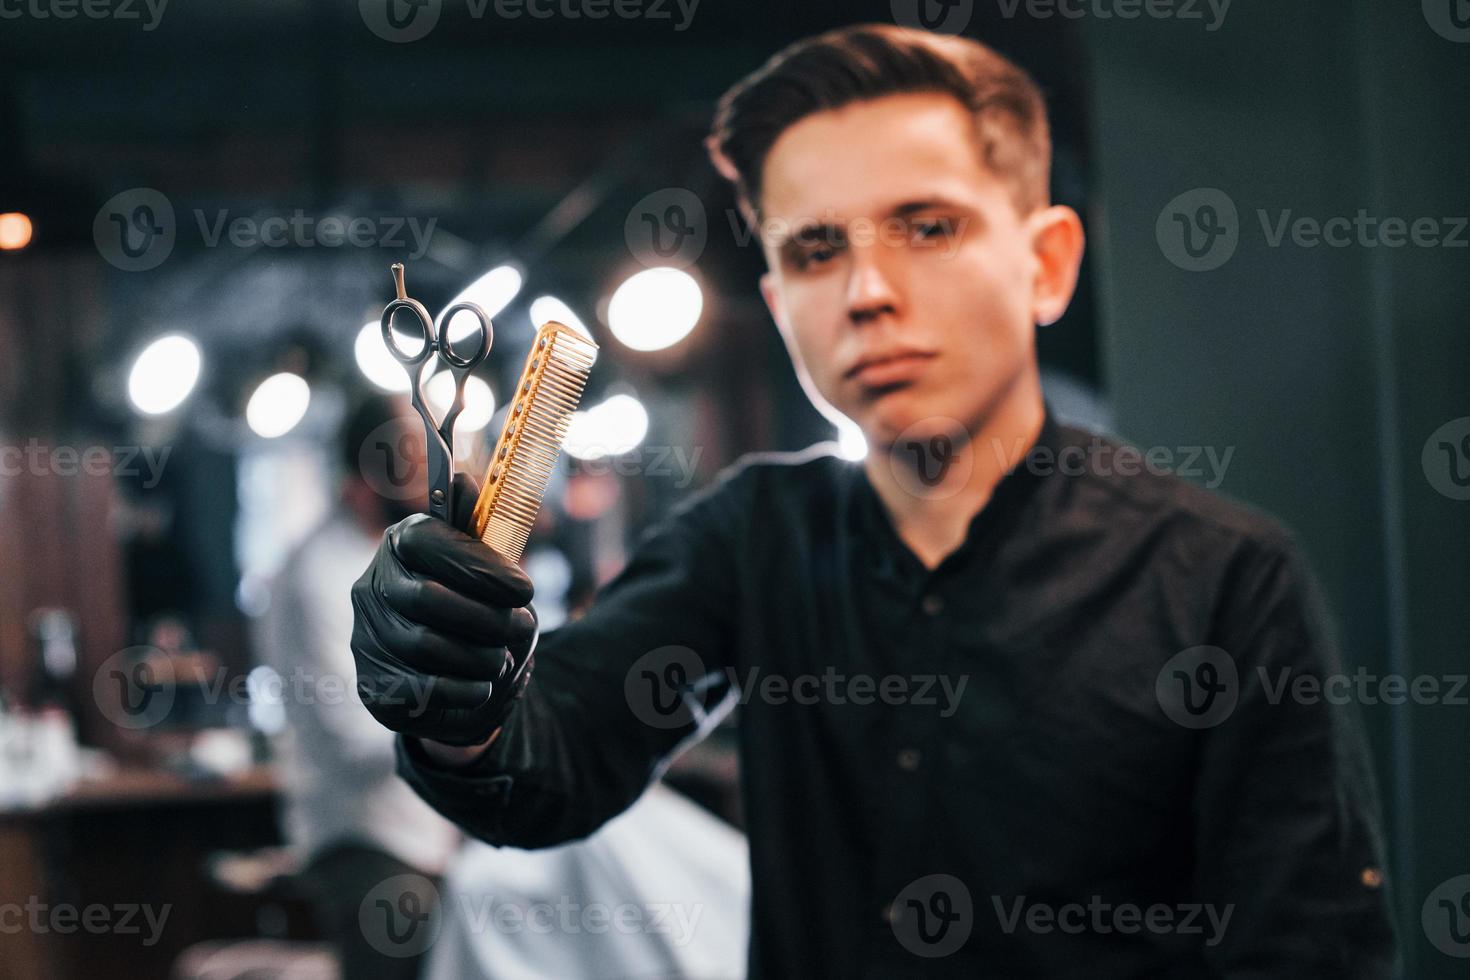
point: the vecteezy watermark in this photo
(1446, 459)
(804, 237)
(1199, 230)
(676, 921)
(1363, 687)
(1446, 917)
(667, 687)
(669, 227)
(932, 916)
(149, 13)
(1210, 13)
(1201, 687)
(928, 459)
(133, 688)
(1362, 230)
(832, 686)
(404, 915)
(137, 230)
(939, 16)
(137, 687)
(953, 16)
(64, 919)
(300, 230)
(399, 916)
(1104, 918)
(1102, 457)
(392, 461)
(39, 460)
(404, 21)
(678, 463)
(1198, 687)
(1450, 19)
(933, 458)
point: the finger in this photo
(450, 556)
(453, 694)
(380, 633)
(524, 629)
(460, 727)
(433, 718)
(435, 605)
(388, 685)
(466, 494)
(431, 652)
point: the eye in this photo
(819, 255)
(816, 255)
(926, 228)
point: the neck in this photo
(933, 518)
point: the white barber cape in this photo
(661, 891)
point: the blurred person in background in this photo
(354, 822)
(364, 832)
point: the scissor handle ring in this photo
(426, 327)
(487, 333)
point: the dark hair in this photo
(868, 61)
(366, 413)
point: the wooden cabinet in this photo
(111, 879)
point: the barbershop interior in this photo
(202, 206)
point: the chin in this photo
(903, 412)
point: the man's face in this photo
(890, 245)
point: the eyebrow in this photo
(924, 204)
(903, 210)
(936, 203)
(790, 244)
(820, 231)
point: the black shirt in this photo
(1065, 751)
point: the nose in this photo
(871, 291)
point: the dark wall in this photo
(1326, 368)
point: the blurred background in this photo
(199, 204)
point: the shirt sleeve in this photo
(1288, 835)
(613, 695)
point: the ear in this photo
(771, 293)
(1057, 242)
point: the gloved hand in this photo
(443, 632)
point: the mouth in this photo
(883, 370)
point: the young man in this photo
(1007, 697)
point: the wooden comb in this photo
(530, 440)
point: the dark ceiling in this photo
(524, 138)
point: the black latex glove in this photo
(443, 633)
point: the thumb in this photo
(466, 493)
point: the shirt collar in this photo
(870, 520)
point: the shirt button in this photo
(909, 759)
(933, 605)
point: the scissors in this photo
(439, 437)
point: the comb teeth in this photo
(540, 410)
